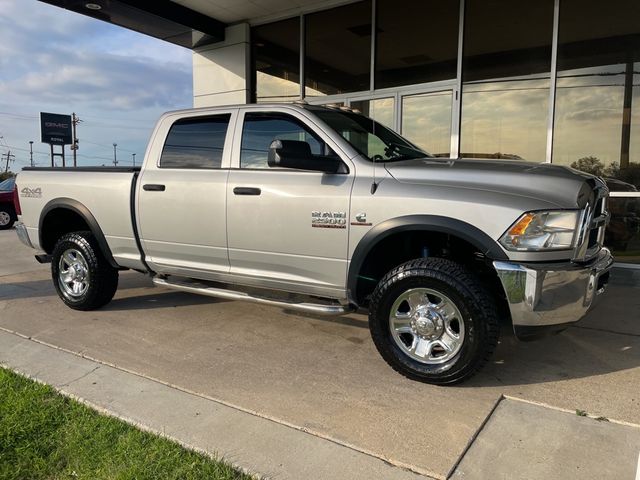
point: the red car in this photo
(8, 210)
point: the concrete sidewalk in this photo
(518, 441)
(254, 444)
(525, 441)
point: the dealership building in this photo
(540, 80)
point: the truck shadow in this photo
(159, 300)
(44, 287)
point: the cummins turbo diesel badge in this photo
(329, 219)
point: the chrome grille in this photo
(593, 225)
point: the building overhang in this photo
(161, 19)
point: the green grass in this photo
(44, 435)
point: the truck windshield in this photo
(373, 140)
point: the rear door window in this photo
(195, 143)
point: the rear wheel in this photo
(81, 275)
(433, 321)
(7, 217)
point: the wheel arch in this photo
(415, 224)
(65, 215)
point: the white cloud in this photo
(119, 81)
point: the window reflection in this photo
(338, 50)
(623, 232)
(505, 73)
(416, 42)
(598, 96)
(426, 121)
(276, 60)
(380, 109)
(588, 121)
(505, 119)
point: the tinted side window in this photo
(195, 143)
(261, 129)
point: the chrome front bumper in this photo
(543, 295)
(23, 235)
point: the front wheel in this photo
(433, 321)
(81, 275)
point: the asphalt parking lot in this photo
(323, 375)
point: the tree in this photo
(630, 174)
(590, 164)
(5, 175)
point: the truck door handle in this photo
(246, 191)
(153, 187)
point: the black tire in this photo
(7, 211)
(101, 278)
(473, 302)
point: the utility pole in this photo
(115, 158)
(31, 151)
(133, 155)
(10, 157)
(74, 146)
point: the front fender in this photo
(422, 223)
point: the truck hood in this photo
(562, 186)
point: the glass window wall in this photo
(338, 50)
(505, 73)
(416, 42)
(275, 53)
(380, 109)
(426, 121)
(597, 111)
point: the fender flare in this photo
(86, 215)
(424, 223)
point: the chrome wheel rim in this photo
(5, 218)
(73, 273)
(427, 326)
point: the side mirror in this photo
(297, 154)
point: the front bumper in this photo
(544, 296)
(23, 234)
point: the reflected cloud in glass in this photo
(426, 121)
(505, 119)
(380, 109)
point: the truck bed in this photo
(109, 198)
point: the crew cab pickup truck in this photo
(324, 210)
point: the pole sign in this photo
(55, 129)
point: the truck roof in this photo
(296, 105)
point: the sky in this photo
(117, 81)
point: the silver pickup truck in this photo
(323, 210)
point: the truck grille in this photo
(594, 224)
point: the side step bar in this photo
(317, 308)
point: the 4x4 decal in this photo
(31, 192)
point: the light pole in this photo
(31, 151)
(133, 155)
(115, 158)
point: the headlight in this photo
(536, 231)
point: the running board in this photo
(317, 308)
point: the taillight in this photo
(16, 200)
